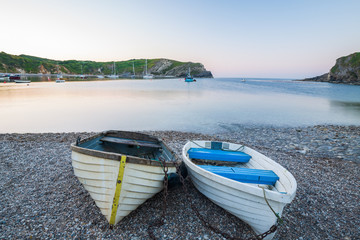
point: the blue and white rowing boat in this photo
(241, 180)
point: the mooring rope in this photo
(279, 219)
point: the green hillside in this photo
(161, 67)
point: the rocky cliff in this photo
(346, 70)
(166, 67)
(158, 67)
(321, 78)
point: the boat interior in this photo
(244, 170)
(127, 143)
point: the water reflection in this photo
(349, 109)
(205, 106)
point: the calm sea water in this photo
(208, 105)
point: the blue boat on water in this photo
(189, 78)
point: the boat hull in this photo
(148, 76)
(118, 183)
(22, 81)
(14, 77)
(245, 201)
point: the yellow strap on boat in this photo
(117, 190)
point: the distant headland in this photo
(346, 71)
(159, 68)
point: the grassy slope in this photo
(31, 64)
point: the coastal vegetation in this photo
(158, 67)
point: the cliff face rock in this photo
(43, 70)
(166, 67)
(160, 66)
(196, 70)
(321, 78)
(346, 71)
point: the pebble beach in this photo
(42, 199)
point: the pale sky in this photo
(232, 38)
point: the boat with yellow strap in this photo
(121, 170)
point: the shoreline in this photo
(43, 199)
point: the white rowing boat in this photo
(121, 170)
(237, 178)
(22, 81)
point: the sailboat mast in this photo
(145, 66)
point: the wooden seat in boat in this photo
(130, 142)
(218, 155)
(246, 175)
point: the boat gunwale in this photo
(117, 156)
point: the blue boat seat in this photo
(246, 175)
(218, 155)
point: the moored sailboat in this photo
(147, 75)
(189, 78)
(113, 75)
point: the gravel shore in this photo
(42, 199)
